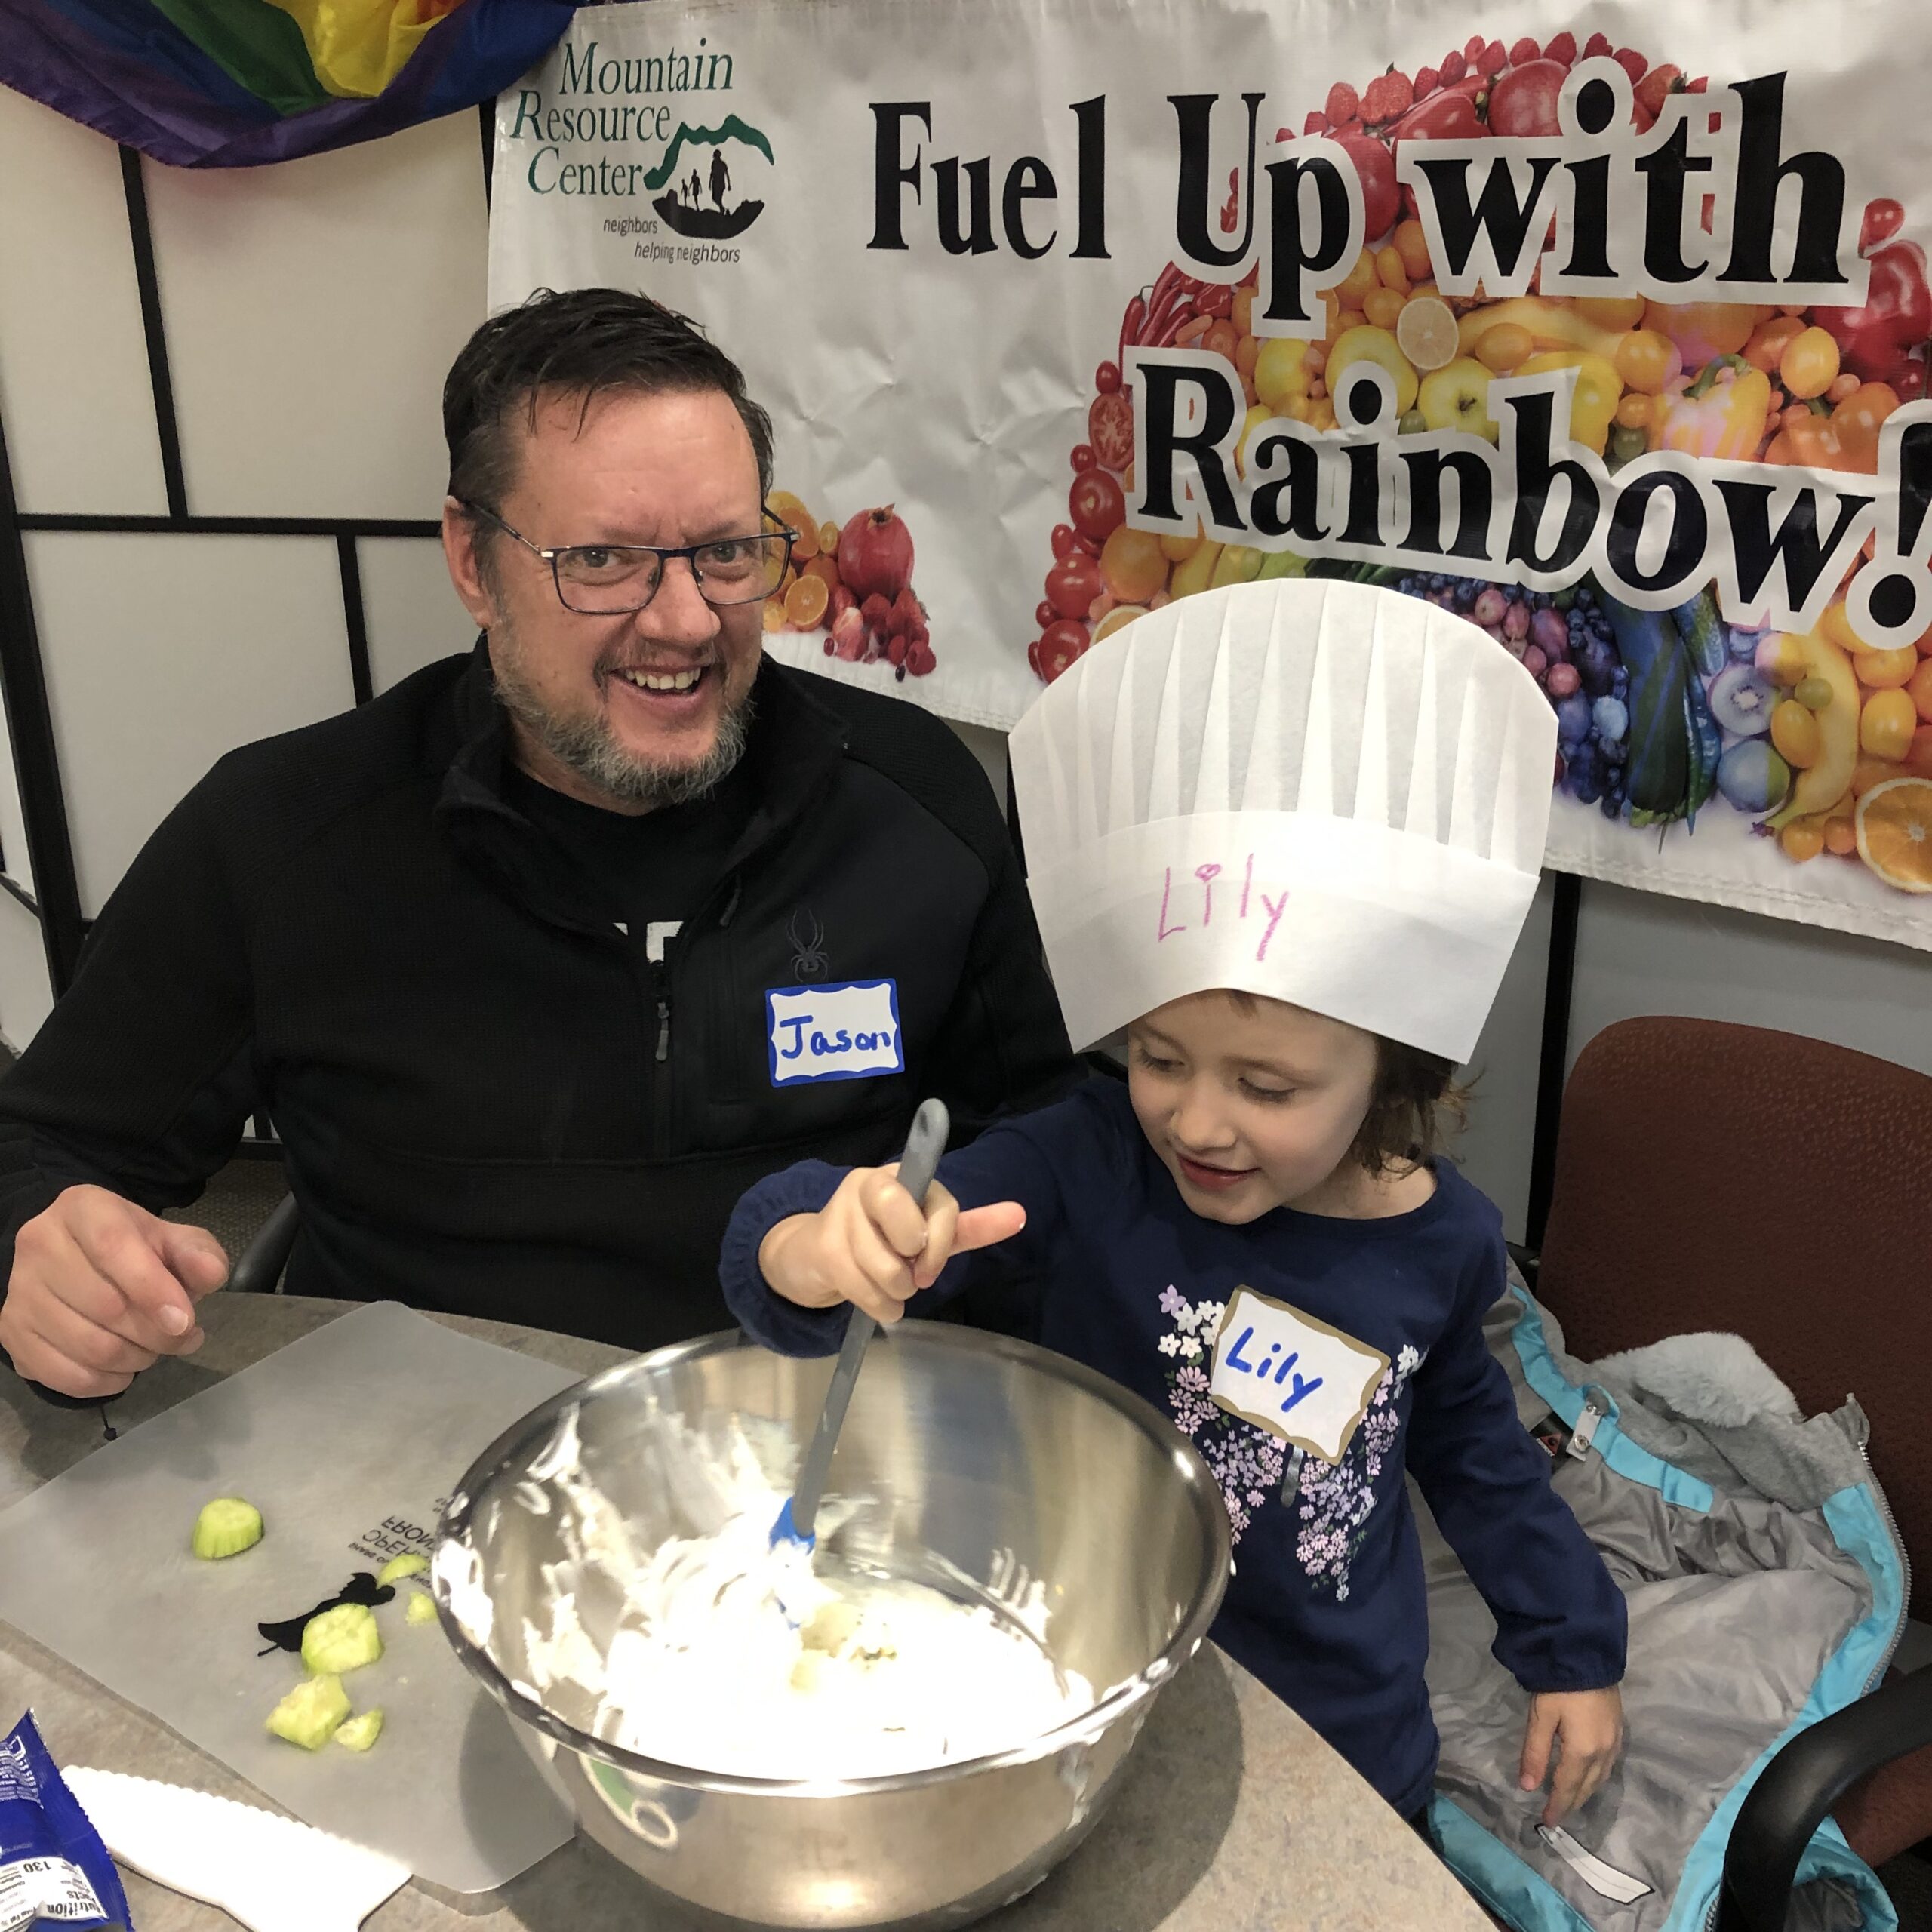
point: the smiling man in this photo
(541, 958)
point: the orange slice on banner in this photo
(1895, 832)
(792, 514)
(1425, 332)
(1118, 618)
(805, 602)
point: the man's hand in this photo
(872, 1245)
(100, 1288)
(1586, 1726)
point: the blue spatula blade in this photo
(785, 1531)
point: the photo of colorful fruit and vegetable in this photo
(853, 581)
(1823, 743)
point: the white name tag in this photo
(1291, 1375)
(839, 1033)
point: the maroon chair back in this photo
(1717, 1176)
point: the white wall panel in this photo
(1637, 954)
(163, 651)
(409, 609)
(19, 866)
(312, 310)
(25, 999)
(75, 395)
(989, 746)
(1494, 1150)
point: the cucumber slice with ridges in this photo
(422, 1608)
(310, 1714)
(397, 1568)
(226, 1527)
(361, 1730)
(343, 1639)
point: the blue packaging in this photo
(55, 1873)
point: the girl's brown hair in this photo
(1414, 1108)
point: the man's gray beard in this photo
(587, 746)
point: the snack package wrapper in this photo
(55, 1873)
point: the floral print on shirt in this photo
(1333, 1500)
(1246, 1461)
(1337, 1498)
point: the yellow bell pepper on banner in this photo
(1599, 389)
(358, 47)
(1722, 414)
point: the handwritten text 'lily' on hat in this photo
(1315, 790)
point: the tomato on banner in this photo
(1621, 356)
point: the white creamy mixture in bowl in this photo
(909, 1725)
(730, 1655)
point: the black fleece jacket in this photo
(492, 1102)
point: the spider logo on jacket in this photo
(807, 938)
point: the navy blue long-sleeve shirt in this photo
(1327, 1605)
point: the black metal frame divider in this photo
(55, 901)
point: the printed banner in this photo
(1605, 325)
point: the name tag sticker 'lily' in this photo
(1292, 1375)
(838, 1032)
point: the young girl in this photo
(1288, 832)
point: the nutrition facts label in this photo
(44, 1888)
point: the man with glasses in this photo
(539, 959)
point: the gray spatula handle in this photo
(923, 1145)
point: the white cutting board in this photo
(348, 1441)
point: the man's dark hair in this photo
(582, 343)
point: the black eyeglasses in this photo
(606, 580)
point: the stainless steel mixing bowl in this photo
(984, 1452)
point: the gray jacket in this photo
(1765, 1585)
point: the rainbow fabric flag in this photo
(229, 83)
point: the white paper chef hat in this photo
(1327, 794)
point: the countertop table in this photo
(1233, 1816)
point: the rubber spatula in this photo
(923, 1145)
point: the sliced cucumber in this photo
(226, 1527)
(311, 1713)
(397, 1568)
(422, 1608)
(360, 1731)
(343, 1639)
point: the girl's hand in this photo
(872, 1245)
(1586, 1726)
